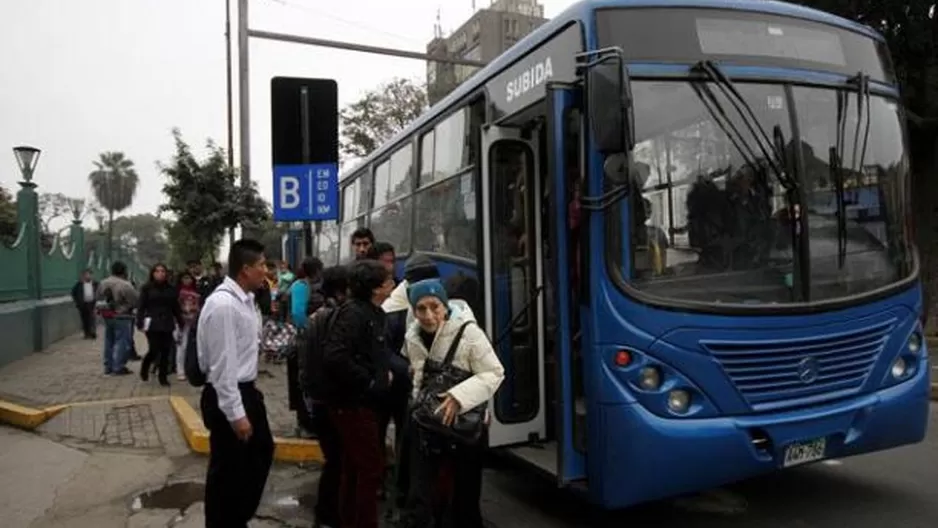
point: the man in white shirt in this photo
(233, 409)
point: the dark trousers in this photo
(362, 466)
(327, 505)
(88, 326)
(445, 483)
(295, 394)
(237, 471)
(161, 345)
(395, 408)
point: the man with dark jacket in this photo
(355, 379)
(84, 296)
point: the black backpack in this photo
(194, 373)
(312, 381)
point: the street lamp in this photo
(27, 158)
(77, 206)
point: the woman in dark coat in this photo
(158, 315)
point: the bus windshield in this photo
(713, 223)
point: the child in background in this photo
(189, 302)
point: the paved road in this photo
(897, 488)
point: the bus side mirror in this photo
(609, 101)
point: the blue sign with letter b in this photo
(306, 193)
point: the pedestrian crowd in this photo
(362, 351)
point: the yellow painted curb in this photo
(26, 417)
(297, 450)
(285, 450)
(191, 424)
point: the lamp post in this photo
(27, 158)
(27, 212)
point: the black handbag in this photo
(438, 378)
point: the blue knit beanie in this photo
(427, 288)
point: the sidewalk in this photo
(62, 393)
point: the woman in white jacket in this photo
(438, 321)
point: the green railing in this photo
(28, 271)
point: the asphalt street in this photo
(897, 488)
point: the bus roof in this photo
(582, 11)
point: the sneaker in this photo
(122, 372)
(181, 377)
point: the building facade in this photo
(486, 35)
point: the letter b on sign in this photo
(289, 192)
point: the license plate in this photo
(804, 452)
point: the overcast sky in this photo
(82, 77)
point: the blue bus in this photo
(686, 221)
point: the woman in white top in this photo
(434, 458)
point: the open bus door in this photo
(513, 271)
(530, 169)
(565, 145)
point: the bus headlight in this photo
(649, 378)
(915, 343)
(678, 401)
(899, 369)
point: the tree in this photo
(911, 31)
(114, 184)
(57, 206)
(379, 115)
(145, 234)
(206, 200)
(270, 234)
(9, 226)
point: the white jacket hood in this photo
(398, 299)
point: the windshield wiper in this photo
(770, 153)
(837, 178)
(862, 82)
(773, 152)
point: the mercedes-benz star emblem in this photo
(808, 370)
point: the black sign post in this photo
(304, 127)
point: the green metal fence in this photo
(28, 271)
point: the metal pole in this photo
(305, 139)
(230, 90)
(244, 96)
(268, 35)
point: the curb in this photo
(293, 450)
(26, 417)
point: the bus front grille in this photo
(774, 374)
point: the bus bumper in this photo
(657, 457)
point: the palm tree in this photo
(114, 183)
